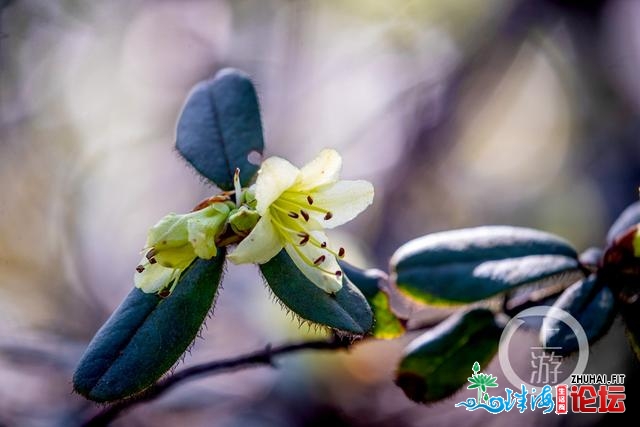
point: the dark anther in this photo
(152, 260)
(294, 215)
(328, 216)
(320, 260)
(338, 273)
(152, 252)
(304, 215)
(305, 238)
(310, 200)
(341, 252)
(323, 245)
(139, 269)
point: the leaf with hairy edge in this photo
(438, 362)
(220, 127)
(347, 310)
(467, 265)
(592, 304)
(147, 334)
(627, 219)
(387, 325)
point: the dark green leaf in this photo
(220, 126)
(346, 311)
(147, 334)
(437, 363)
(467, 265)
(387, 324)
(627, 219)
(592, 304)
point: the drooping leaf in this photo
(591, 304)
(467, 265)
(220, 127)
(627, 219)
(387, 324)
(147, 334)
(347, 310)
(437, 363)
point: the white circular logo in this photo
(541, 311)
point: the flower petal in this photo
(344, 200)
(274, 177)
(154, 278)
(304, 257)
(169, 232)
(202, 233)
(179, 257)
(262, 244)
(323, 170)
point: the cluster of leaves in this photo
(471, 265)
(220, 130)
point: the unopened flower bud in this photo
(243, 219)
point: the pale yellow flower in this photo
(175, 242)
(295, 206)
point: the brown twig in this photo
(254, 359)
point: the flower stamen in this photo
(304, 215)
(305, 238)
(287, 237)
(298, 203)
(152, 252)
(237, 187)
(310, 200)
(319, 260)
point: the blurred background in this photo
(462, 113)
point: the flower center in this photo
(297, 203)
(290, 217)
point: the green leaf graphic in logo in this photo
(481, 382)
